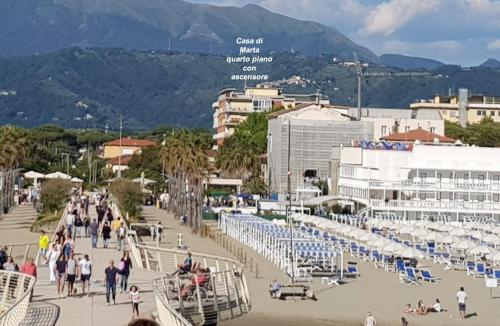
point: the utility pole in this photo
(359, 73)
(120, 156)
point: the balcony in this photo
(479, 186)
(453, 206)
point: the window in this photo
(492, 113)
(481, 178)
(423, 175)
(407, 128)
(496, 198)
(479, 113)
(383, 131)
(438, 177)
(127, 151)
(433, 129)
(496, 178)
(466, 176)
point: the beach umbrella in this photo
(385, 224)
(76, 180)
(368, 236)
(476, 234)
(433, 225)
(345, 230)
(396, 226)
(492, 238)
(421, 223)
(419, 233)
(449, 239)
(433, 236)
(34, 175)
(446, 227)
(356, 233)
(391, 248)
(472, 225)
(58, 175)
(481, 249)
(406, 229)
(380, 242)
(494, 256)
(464, 245)
(496, 230)
(458, 232)
(410, 252)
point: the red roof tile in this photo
(418, 134)
(124, 160)
(131, 142)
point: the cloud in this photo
(494, 45)
(388, 17)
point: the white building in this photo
(430, 180)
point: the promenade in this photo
(48, 309)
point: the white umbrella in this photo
(448, 239)
(369, 237)
(380, 242)
(345, 230)
(472, 225)
(77, 180)
(391, 248)
(433, 225)
(482, 249)
(421, 223)
(495, 256)
(356, 233)
(58, 175)
(34, 175)
(433, 236)
(464, 245)
(496, 230)
(491, 238)
(419, 233)
(410, 252)
(476, 234)
(373, 222)
(406, 229)
(446, 227)
(385, 224)
(144, 181)
(459, 232)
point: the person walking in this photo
(152, 231)
(71, 275)
(115, 225)
(86, 224)
(106, 234)
(54, 254)
(29, 268)
(78, 226)
(125, 267)
(68, 247)
(111, 278)
(61, 271)
(43, 247)
(70, 221)
(370, 320)
(85, 269)
(461, 298)
(93, 229)
(120, 238)
(160, 231)
(135, 298)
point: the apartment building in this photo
(232, 107)
(464, 107)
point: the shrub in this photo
(55, 194)
(128, 195)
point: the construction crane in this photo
(359, 74)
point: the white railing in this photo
(436, 186)
(435, 204)
(15, 292)
(166, 261)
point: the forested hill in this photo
(81, 88)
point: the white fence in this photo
(15, 292)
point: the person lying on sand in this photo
(407, 309)
(421, 308)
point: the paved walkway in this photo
(92, 310)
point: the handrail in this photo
(15, 311)
(166, 261)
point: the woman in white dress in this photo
(54, 254)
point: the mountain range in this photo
(81, 88)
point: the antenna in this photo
(359, 74)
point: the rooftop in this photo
(420, 135)
(125, 159)
(130, 142)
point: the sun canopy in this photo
(34, 175)
(145, 181)
(58, 175)
(77, 180)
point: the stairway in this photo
(19, 217)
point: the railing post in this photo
(228, 295)
(200, 305)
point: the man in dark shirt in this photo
(111, 279)
(94, 227)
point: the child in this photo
(135, 297)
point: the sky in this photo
(465, 32)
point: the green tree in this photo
(55, 194)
